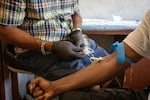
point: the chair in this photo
(13, 73)
(14, 81)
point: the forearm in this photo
(77, 20)
(96, 73)
(15, 36)
(20, 38)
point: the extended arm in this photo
(95, 73)
(98, 72)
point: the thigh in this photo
(105, 94)
(50, 66)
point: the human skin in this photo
(96, 73)
(20, 38)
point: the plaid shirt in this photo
(45, 19)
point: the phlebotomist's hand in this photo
(66, 50)
(76, 37)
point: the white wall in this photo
(127, 9)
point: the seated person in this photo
(47, 37)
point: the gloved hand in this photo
(66, 50)
(76, 38)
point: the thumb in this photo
(77, 49)
(32, 85)
(78, 52)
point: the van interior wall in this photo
(104, 9)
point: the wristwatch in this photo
(76, 29)
(43, 51)
(42, 48)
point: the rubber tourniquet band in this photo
(119, 47)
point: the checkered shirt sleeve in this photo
(12, 12)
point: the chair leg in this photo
(15, 89)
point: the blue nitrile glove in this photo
(76, 38)
(66, 50)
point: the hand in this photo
(66, 50)
(41, 89)
(76, 38)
